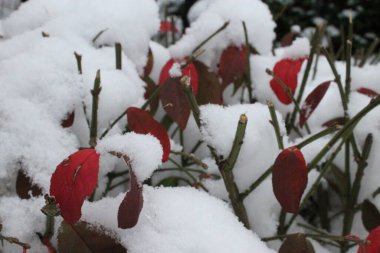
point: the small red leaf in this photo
(209, 91)
(333, 122)
(141, 122)
(74, 179)
(289, 178)
(312, 101)
(149, 63)
(69, 120)
(288, 38)
(130, 207)
(369, 92)
(167, 26)
(287, 70)
(372, 244)
(174, 101)
(189, 70)
(232, 65)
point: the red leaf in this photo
(174, 101)
(189, 70)
(25, 188)
(289, 178)
(288, 38)
(232, 65)
(74, 179)
(287, 70)
(312, 101)
(372, 244)
(141, 122)
(69, 120)
(130, 207)
(149, 63)
(167, 26)
(370, 93)
(336, 121)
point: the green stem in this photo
(348, 59)
(275, 125)
(172, 27)
(248, 63)
(118, 55)
(224, 26)
(369, 52)
(337, 79)
(49, 230)
(255, 184)
(94, 115)
(78, 58)
(317, 136)
(191, 157)
(14, 240)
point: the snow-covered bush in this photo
(111, 142)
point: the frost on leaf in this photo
(74, 179)
(312, 101)
(287, 70)
(130, 207)
(289, 178)
(141, 122)
(232, 65)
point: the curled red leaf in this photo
(130, 207)
(369, 92)
(74, 179)
(312, 101)
(141, 122)
(69, 120)
(372, 244)
(232, 65)
(189, 70)
(289, 178)
(287, 70)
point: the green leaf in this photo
(370, 215)
(169, 182)
(82, 238)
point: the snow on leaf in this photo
(289, 178)
(312, 101)
(372, 244)
(189, 70)
(141, 122)
(130, 207)
(232, 65)
(287, 70)
(74, 179)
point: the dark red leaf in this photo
(83, 238)
(287, 70)
(370, 215)
(369, 92)
(312, 101)
(296, 243)
(150, 88)
(149, 63)
(174, 101)
(167, 26)
(74, 179)
(130, 207)
(289, 178)
(232, 65)
(209, 90)
(333, 122)
(69, 120)
(372, 244)
(24, 186)
(288, 38)
(141, 122)
(189, 70)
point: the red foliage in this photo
(289, 178)
(74, 179)
(372, 244)
(287, 70)
(167, 26)
(369, 92)
(130, 207)
(141, 122)
(232, 64)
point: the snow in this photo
(177, 220)
(175, 70)
(254, 13)
(144, 151)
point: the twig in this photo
(369, 52)
(94, 115)
(248, 63)
(224, 26)
(118, 55)
(275, 125)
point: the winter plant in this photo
(217, 142)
